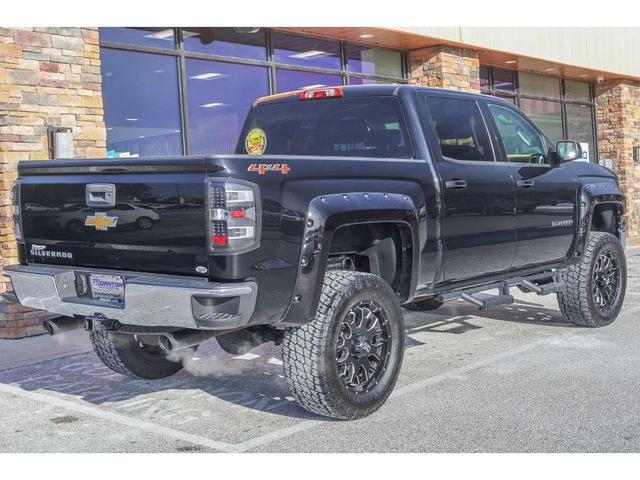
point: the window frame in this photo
(182, 54)
(516, 95)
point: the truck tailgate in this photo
(155, 223)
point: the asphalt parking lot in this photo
(516, 379)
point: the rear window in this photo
(354, 127)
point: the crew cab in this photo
(340, 205)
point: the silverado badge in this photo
(101, 221)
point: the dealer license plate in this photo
(107, 288)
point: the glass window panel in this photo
(141, 105)
(365, 81)
(503, 80)
(219, 96)
(484, 78)
(460, 129)
(355, 127)
(577, 91)
(162, 37)
(538, 85)
(226, 41)
(287, 80)
(374, 61)
(522, 142)
(305, 51)
(580, 127)
(546, 115)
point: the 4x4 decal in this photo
(263, 168)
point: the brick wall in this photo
(48, 77)
(445, 67)
(618, 126)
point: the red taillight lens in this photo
(220, 239)
(330, 92)
(233, 217)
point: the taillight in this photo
(330, 92)
(233, 217)
(15, 207)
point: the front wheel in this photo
(345, 363)
(596, 286)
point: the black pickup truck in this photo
(340, 205)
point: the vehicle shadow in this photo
(252, 381)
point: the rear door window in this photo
(355, 127)
(462, 133)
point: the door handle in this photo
(455, 184)
(525, 183)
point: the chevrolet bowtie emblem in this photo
(101, 221)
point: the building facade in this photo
(125, 92)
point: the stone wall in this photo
(49, 77)
(445, 67)
(618, 127)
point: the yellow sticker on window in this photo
(256, 142)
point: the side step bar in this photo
(541, 283)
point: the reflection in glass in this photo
(503, 80)
(374, 61)
(577, 91)
(287, 80)
(580, 126)
(365, 81)
(306, 51)
(231, 42)
(538, 85)
(142, 110)
(484, 77)
(546, 115)
(219, 97)
(162, 37)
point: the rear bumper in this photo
(150, 300)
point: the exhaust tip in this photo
(165, 344)
(48, 328)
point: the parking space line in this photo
(117, 418)
(413, 387)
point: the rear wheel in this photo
(595, 286)
(134, 355)
(345, 363)
(144, 223)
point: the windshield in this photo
(355, 127)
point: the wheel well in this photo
(606, 218)
(383, 249)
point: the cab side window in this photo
(460, 128)
(522, 142)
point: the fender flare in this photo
(591, 195)
(325, 215)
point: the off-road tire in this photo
(122, 353)
(309, 351)
(577, 302)
(424, 305)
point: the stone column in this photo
(49, 77)
(446, 67)
(618, 127)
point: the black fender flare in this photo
(325, 215)
(591, 195)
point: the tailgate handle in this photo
(100, 195)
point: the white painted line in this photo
(117, 418)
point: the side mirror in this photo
(569, 150)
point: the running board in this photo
(541, 284)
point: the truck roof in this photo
(360, 91)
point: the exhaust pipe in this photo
(172, 341)
(58, 325)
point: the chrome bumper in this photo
(150, 300)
